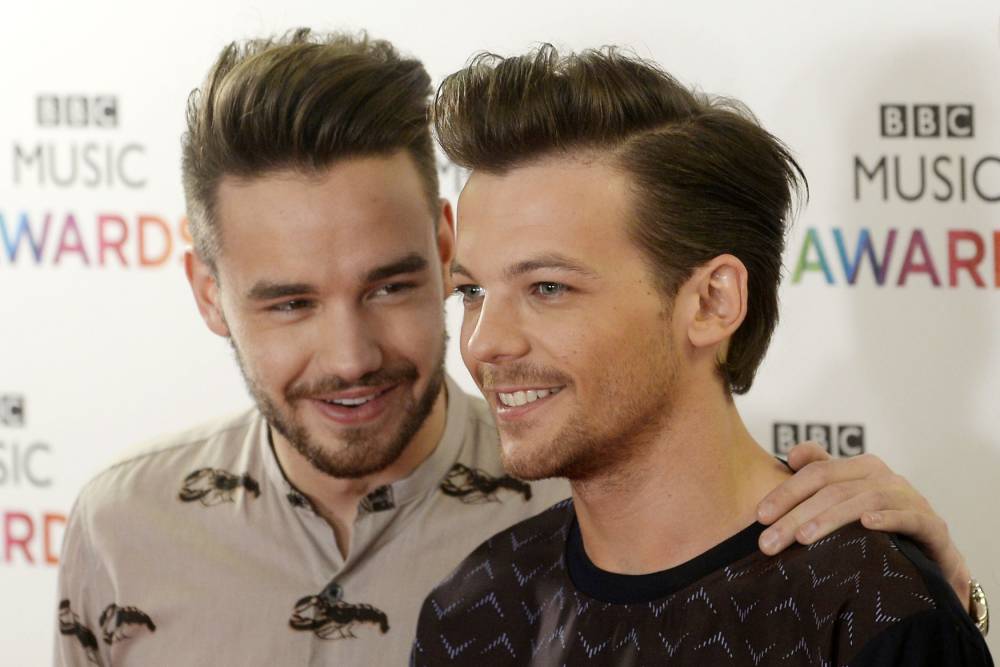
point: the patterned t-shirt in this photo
(198, 551)
(531, 596)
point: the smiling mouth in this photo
(357, 409)
(519, 398)
(356, 401)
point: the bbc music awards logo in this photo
(27, 537)
(925, 156)
(78, 146)
(841, 440)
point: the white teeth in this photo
(351, 402)
(518, 398)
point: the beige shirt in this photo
(199, 552)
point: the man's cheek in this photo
(416, 343)
(277, 356)
(419, 326)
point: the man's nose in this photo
(497, 335)
(349, 344)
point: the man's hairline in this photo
(585, 155)
(292, 171)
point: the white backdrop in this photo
(102, 347)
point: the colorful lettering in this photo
(103, 242)
(851, 269)
(970, 264)
(805, 264)
(11, 540)
(918, 244)
(24, 231)
(69, 229)
(152, 222)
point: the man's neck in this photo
(695, 485)
(336, 499)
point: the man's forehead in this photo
(361, 196)
(566, 214)
(554, 191)
(293, 227)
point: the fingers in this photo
(813, 477)
(805, 453)
(929, 530)
(828, 494)
(830, 508)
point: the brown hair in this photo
(303, 101)
(709, 180)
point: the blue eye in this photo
(470, 293)
(550, 289)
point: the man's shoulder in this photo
(222, 429)
(526, 547)
(216, 444)
(863, 559)
(856, 588)
(217, 438)
(522, 555)
(860, 569)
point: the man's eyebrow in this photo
(458, 268)
(548, 261)
(264, 290)
(412, 263)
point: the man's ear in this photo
(446, 243)
(721, 290)
(205, 288)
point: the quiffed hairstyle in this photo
(300, 101)
(708, 179)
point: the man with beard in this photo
(619, 250)
(309, 529)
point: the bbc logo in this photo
(838, 440)
(77, 111)
(925, 121)
(11, 410)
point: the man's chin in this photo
(351, 461)
(525, 461)
(339, 451)
(558, 457)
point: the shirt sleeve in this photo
(932, 638)
(82, 585)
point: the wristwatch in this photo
(978, 607)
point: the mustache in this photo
(520, 374)
(403, 372)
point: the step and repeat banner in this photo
(890, 335)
